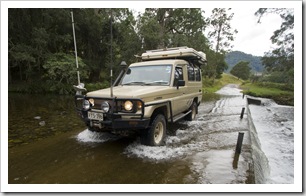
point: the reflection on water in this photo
(33, 117)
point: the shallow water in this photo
(201, 151)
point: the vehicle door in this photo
(179, 100)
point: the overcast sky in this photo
(252, 37)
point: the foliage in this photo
(41, 45)
(234, 57)
(222, 35)
(210, 86)
(280, 93)
(222, 32)
(61, 70)
(280, 59)
(241, 70)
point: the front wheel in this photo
(193, 113)
(155, 135)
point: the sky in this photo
(252, 37)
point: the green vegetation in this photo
(210, 86)
(281, 93)
(241, 70)
(41, 46)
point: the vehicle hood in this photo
(141, 92)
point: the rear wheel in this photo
(155, 135)
(193, 114)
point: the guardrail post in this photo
(239, 142)
(242, 112)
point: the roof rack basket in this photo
(189, 54)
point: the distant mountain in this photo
(234, 57)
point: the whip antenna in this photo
(111, 66)
(75, 49)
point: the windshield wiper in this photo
(133, 83)
(157, 82)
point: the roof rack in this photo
(183, 52)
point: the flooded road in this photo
(197, 152)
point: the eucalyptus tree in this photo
(280, 59)
(170, 27)
(221, 35)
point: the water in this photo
(197, 152)
(34, 117)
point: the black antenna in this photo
(111, 66)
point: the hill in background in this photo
(234, 57)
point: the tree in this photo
(221, 34)
(281, 59)
(241, 70)
(169, 27)
(61, 71)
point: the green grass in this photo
(210, 86)
(278, 92)
(282, 94)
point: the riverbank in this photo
(282, 94)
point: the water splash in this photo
(96, 137)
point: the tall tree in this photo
(221, 35)
(280, 59)
(169, 27)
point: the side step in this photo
(180, 116)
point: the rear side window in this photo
(191, 75)
(194, 73)
(197, 72)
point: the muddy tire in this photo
(194, 111)
(155, 135)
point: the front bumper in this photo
(114, 120)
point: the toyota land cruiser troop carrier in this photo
(164, 88)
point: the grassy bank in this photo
(281, 93)
(210, 86)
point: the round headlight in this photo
(128, 105)
(86, 105)
(105, 106)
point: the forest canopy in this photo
(41, 46)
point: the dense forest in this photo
(234, 57)
(42, 54)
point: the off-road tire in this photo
(155, 135)
(193, 114)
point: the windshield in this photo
(154, 75)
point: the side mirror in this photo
(180, 83)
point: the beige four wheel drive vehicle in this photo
(164, 88)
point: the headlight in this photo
(105, 106)
(128, 105)
(86, 105)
